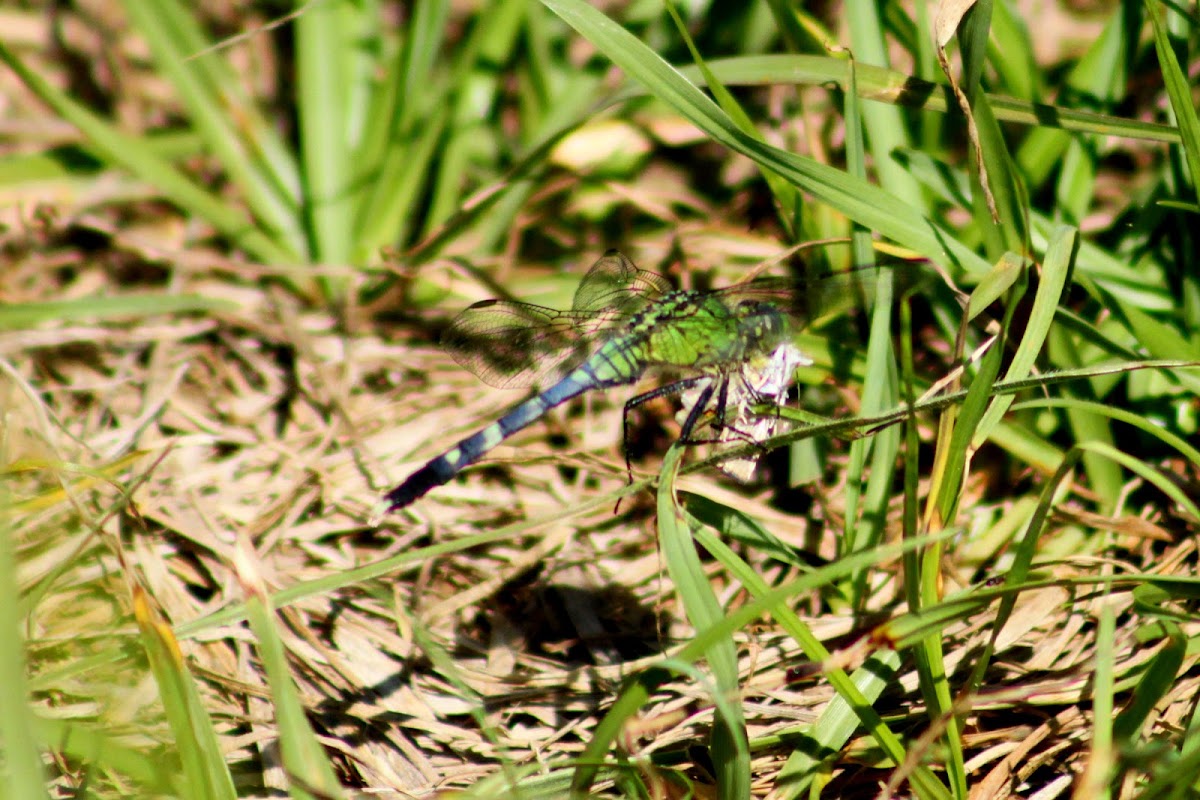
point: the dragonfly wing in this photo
(811, 299)
(512, 345)
(615, 285)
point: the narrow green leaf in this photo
(21, 316)
(96, 747)
(1157, 681)
(1178, 90)
(131, 154)
(895, 87)
(777, 602)
(205, 772)
(729, 747)
(785, 195)
(323, 53)
(228, 121)
(863, 202)
(21, 773)
(309, 771)
(628, 704)
(1056, 270)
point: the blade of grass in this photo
(949, 476)
(1178, 91)
(880, 388)
(884, 126)
(729, 749)
(227, 120)
(446, 666)
(412, 108)
(205, 772)
(775, 600)
(629, 701)
(1124, 415)
(1056, 269)
(492, 41)
(387, 213)
(309, 772)
(787, 202)
(21, 772)
(22, 316)
(1010, 53)
(862, 202)
(130, 153)
(895, 87)
(99, 749)
(1158, 680)
(324, 51)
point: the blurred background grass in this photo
(231, 234)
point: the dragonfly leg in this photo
(719, 424)
(689, 424)
(676, 387)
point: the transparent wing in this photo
(812, 299)
(511, 345)
(616, 287)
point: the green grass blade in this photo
(1123, 415)
(21, 771)
(1098, 776)
(131, 154)
(1150, 474)
(1178, 91)
(309, 772)
(775, 600)
(20, 316)
(864, 203)
(629, 701)
(479, 90)
(787, 19)
(884, 125)
(205, 774)
(1011, 54)
(885, 131)
(1156, 683)
(227, 120)
(730, 752)
(958, 431)
(1056, 270)
(323, 55)
(98, 749)
(785, 195)
(388, 211)
(895, 87)
(1011, 233)
(837, 723)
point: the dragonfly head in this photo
(762, 325)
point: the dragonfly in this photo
(733, 345)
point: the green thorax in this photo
(701, 330)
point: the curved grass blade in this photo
(863, 202)
(729, 747)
